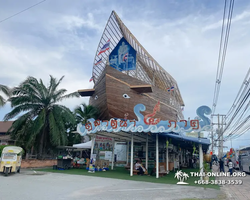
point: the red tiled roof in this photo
(4, 126)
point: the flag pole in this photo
(153, 77)
(127, 64)
(136, 68)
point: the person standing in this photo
(153, 170)
(230, 166)
(221, 165)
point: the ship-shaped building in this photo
(125, 75)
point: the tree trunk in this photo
(41, 145)
(45, 143)
(27, 155)
(32, 150)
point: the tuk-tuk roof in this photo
(12, 149)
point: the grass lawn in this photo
(122, 173)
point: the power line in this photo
(238, 118)
(217, 81)
(226, 24)
(222, 52)
(22, 11)
(245, 82)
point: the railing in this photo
(30, 156)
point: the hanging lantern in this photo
(194, 148)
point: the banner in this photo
(91, 168)
(103, 143)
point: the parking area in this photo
(29, 185)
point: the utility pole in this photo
(219, 135)
(212, 135)
(219, 124)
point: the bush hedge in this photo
(1, 148)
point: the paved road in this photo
(235, 192)
(53, 186)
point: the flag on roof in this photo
(171, 89)
(125, 57)
(91, 79)
(98, 62)
(105, 47)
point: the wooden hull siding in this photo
(114, 97)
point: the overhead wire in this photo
(238, 96)
(222, 52)
(217, 81)
(5, 19)
(239, 110)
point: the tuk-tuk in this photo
(11, 160)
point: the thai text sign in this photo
(201, 123)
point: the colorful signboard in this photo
(201, 123)
(123, 57)
(103, 143)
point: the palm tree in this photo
(43, 121)
(185, 176)
(85, 112)
(178, 175)
(72, 136)
(4, 89)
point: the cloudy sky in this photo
(60, 37)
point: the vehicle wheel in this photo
(6, 171)
(18, 171)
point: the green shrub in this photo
(1, 148)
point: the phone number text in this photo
(219, 182)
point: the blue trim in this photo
(204, 141)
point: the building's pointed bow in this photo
(147, 68)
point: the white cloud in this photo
(244, 16)
(61, 39)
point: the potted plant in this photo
(206, 169)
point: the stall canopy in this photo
(185, 141)
(86, 145)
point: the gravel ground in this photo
(30, 185)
